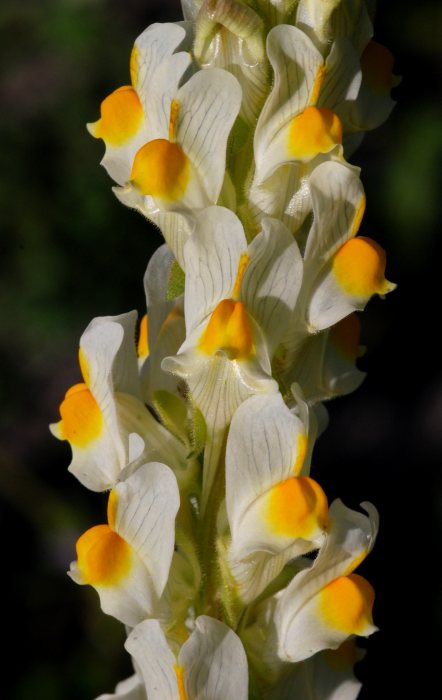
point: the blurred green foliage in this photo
(70, 251)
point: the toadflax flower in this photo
(99, 415)
(221, 555)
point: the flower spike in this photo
(234, 576)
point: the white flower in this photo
(99, 415)
(166, 136)
(327, 603)
(276, 512)
(127, 561)
(211, 664)
(130, 689)
(297, 130)
(237, 299)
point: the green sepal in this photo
(175, 286)
(197, 432)
(172, 412)
(239, 135)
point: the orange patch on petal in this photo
(179, 671)
(104, 558)
(173, 119)
(133, 65)
(242, 266)
(315, 130)
(320, 77)
(359, 268)
(121, 117)
(297, 507)
(84, 366)
(228, 329)
(143, 342)
(112, 508)
(82, 420)
(346, 604)
(161, 169)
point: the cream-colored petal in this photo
(158, 93)
(342, 77)
(148, 646)
(327, 675)
(211, 262)
(208, 105)
(266, 445)
(130, 689)
(338, 202)
(155, 45)
(350, 538)
(284, 195)
(146, 506)
(347, 282)
(108, 356)
(272, 280)
(297, 68)
(214, 662)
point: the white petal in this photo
(157, 95)
(255, 572)
(211, 262)
(210, 103)
(148, 645)
(214, 662)
(147, 504)
(129, 601)
(338, 202)
(343, 76)
(272, 279)
(217, 387)
(325, 676)
(99, 465)
(321, 371)
(284, 195)
(118, 160)
(262, 450)
(296, 64)
(130, 689)
(369, 110)
(159, 444)
(176, 227)
(108, 346)
(351, 536)
(152, 47)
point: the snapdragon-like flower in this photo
(99, 415)
(326, 604)
(127, 560)
(221, 555)
(276, 512)
(233, 324)
(211, 664)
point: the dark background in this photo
(70, 251)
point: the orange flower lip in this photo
(229, 329)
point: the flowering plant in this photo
(221, 554)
